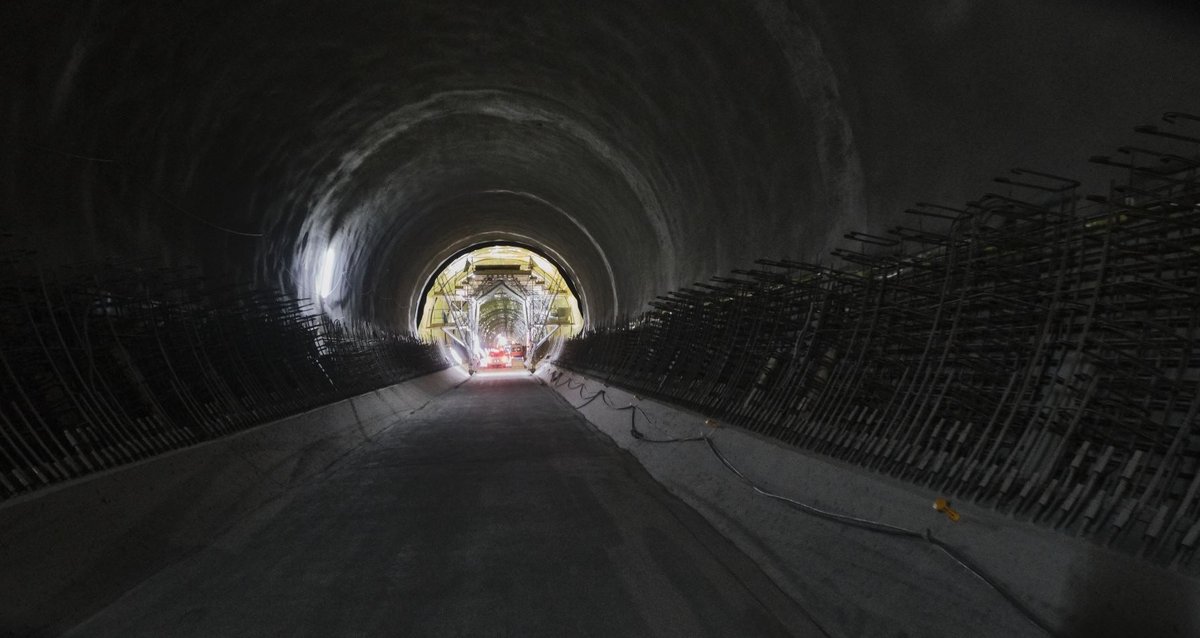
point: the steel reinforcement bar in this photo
(105, 364)
(1035, 351)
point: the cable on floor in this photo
(845, 519)
(633, 411)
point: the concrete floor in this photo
(494, 511)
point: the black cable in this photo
(845, 519)
(637, 434)
(584, 404)
(633, 431)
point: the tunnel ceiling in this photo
(644, 145)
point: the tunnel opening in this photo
(499, 305)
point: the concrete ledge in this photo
(67, 551)
(860, 583)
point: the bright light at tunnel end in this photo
(498, 296)
(325, 274)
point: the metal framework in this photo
(104, 364)
(512, 301)
(1034, 351)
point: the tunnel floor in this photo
(494, 511)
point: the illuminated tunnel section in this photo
(499, 297)
(164, 164)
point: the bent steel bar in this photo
(1030, 355)
(105, 364)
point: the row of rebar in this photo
(1035, 351)
(104, 364)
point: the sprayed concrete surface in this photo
(70, 549)
(645, 145)
(492, 508)
(860, 583)
(493, 511)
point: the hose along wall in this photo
(559, 379)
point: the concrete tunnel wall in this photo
(75, 547)
(647, 145)
(1077, 588)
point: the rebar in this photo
(106, 363)
(1033, 352)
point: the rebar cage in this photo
(104, 364)
(1034, 351)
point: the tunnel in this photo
(736, 317)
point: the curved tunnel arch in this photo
(642, 146)
(655, 144)
(474, 193)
